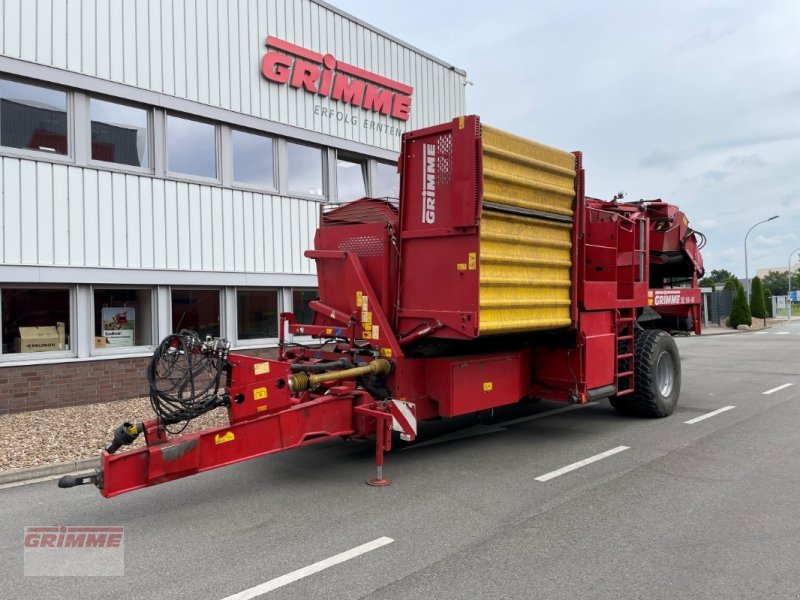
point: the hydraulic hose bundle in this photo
(184, 375)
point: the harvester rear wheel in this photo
(657, 376)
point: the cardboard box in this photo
(41, 339)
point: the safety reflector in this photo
(404, 417)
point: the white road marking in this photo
(581, 463)
(781, 333)
(777, 389)
(283, 580)
(760, 332)
(707, 415)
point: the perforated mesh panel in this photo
(444, 159)
(365, 245)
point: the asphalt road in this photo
(709, 509)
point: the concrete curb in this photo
(16, 475)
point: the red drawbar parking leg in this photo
(379, 480)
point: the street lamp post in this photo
(790, 280)
(746, 273)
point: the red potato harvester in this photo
(493, 280)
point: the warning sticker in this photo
(259, 393)
(221, 439)
(261, 368)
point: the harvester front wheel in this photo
(657, 376)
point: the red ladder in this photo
(626, 322)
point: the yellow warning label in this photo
(461, 266)
(259, 393)
(359, 296)
(366, 317)
(387, 352)
(461, 122)
(221, 439)
(261, 368)
(473, 261)
(329, 331)
(367, 326)
(261, 408)
(365, 303)
(487, 386)
(367, 335)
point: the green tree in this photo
(733, 284)
(777, 282)
(740, 311)
(757, 307)
(706, 282)
(720, 275)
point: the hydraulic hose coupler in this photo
(124, 436)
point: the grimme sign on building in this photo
(324, 75)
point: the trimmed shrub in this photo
(757, 307)
(768, 302)
(740, 311)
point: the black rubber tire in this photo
(648, 398)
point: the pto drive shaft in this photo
(300, 382)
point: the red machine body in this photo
(381, 300)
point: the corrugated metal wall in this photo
(209, 51)
(63, 215)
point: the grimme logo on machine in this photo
(326, 76)
(429, 183)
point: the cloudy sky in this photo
(696, 102)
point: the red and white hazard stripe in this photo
(404, 417)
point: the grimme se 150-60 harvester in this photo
(493, 281)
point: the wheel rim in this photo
(665, 374)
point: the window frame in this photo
(72, 352)
(374, 187)
(255, 342)
(243, 185)
(363, 162)
(26, 153)
(102, 164)
(178, 175)
(285, 189)
(208, 288)
(139, 348)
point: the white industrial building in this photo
(163, 163)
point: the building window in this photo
(191, 147)
(123, 318)
(196, 310)
(120, 133)
(253, 159)
(300, 300)
(33, 117)
(305, 169)
(387, 184)
(257, 314)
(351, 179)
(35, 320)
